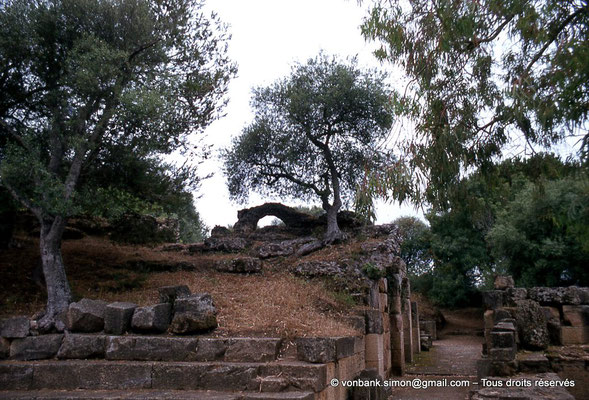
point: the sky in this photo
(268, 37)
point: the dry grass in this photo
(274, 303)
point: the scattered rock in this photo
(15, 327)
(169, 294)
(117, 317)
(227, 244)
(241, 265)
(531, 325)
(86, 316)
(154, 318)
(76, 346)
(220, 231)
(283, 248)
(35, 347)
(194, 314)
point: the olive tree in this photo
(79, 77)
(313, 135)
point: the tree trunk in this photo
(333, 234)
(58, 290)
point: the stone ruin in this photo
(388, 327)
(533, 319)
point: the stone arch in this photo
(248, 218)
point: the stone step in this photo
(131, 375)
(145, 348)
(150, 395)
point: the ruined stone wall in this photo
(531, 319)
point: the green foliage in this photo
(483, 77)
(415, 247)
(541, 236)
(373, 272)
(313, 133)
(94, 88)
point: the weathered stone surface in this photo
(226, 377)
(583, 293)
(512, 295)
(504, 326)
(544, 295)
(149, 348)
(82, 346)
(16, 377)
(35, 347)
(493, 299)
(117, 317)
(503, 282)
(576, 315)
(374, 321)
(502, 340)
(283, 248)
(104, 375)
(169, 294)
(572, 295)
(316, 350)
(501, 314)
(551, 313)
(4, 348)
(15, 327)
(502, 354)
(240, 265)
(211, 349)
(86, 316)
(429, 328)
(344, 347)
(553, 326)
(154, 318)
(533, 362)
(370, 393)
(194, 314)
(229, 244)
(574, 335)
(252, 349)
(531, 325)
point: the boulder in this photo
(194, 314)
(283, 248)
(117, 317)
(503, 282)
(76, 346)
(169, 294)
(35, 347)
(531, 325)
(86, 316)
(15, 327)
(154, 318)
(241, 265)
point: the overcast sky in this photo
(268, 37)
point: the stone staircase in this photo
(161, 367)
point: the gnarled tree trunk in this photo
(58, 290)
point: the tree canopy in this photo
(82, 78)
(483, 77)
(313, 134)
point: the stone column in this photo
(406, 309)
(396, 317)
(415, 327)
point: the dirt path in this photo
(450, 363)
